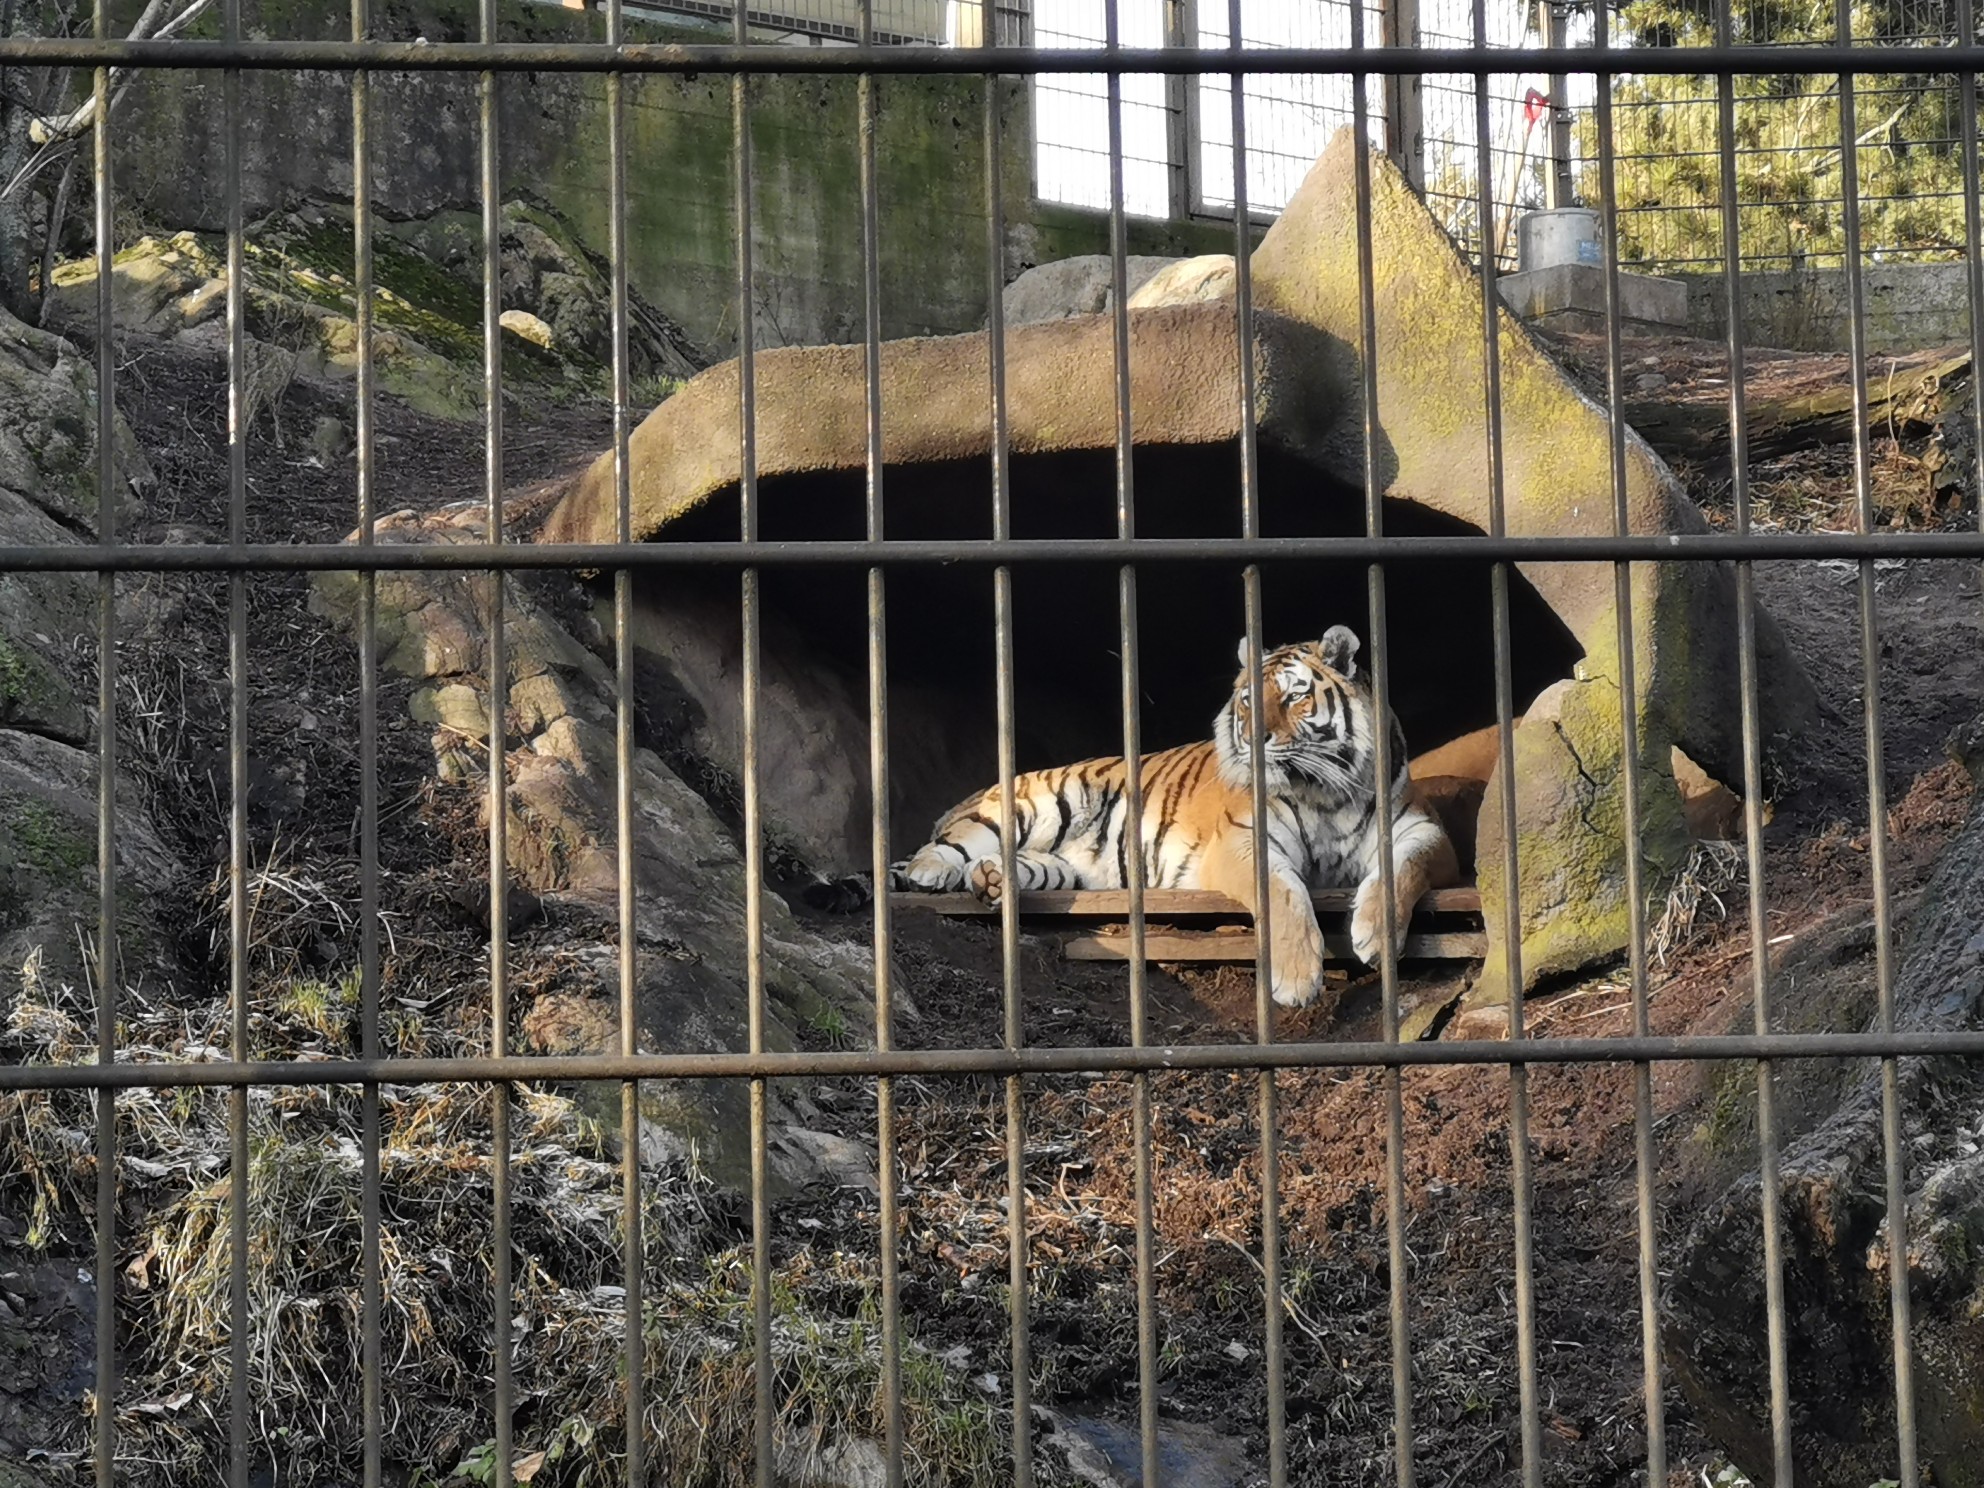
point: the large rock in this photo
(1831, 1204)
(563, 845)
(48, 836)
(1085, 285)
(427, 329)
(1432, 456)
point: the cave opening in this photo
(1066, 671)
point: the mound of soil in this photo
(1080, 1137)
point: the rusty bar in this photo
(501, 1332)
(1519, 1150)
(1383, 766)
(633, 1266)
(1753, 823)
(237, 760)
(740, 59)
(371, 1138)
(763, 1374)
(1780, 547)
(1894, 1153)
(887, 1176)
(1644, 1200)
(106, 803)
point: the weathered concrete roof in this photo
(1554, 476)
(812, 410)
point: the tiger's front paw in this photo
(1367, 928)
(987, 881)
(1295, 991)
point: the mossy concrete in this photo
(553, 131)
(1555, 478)
(1432, 451)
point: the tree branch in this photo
(79, 119)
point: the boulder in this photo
(1074, 286)
(427, 327)
(1831, 1203)
(1432, 456)
(563, 845)
(1189, 281)
(48, 763)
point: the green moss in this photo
(26, 683)
(46, 840)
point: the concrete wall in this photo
(1908, 307)
(934, 227)
(553, 142)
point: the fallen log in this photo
(1913, 396)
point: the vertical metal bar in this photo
(887, 1178)
(1009, 924)
(1519, 1153)
(1906, 1474)
(1133, 792)
(1558, 190)
(1405, 106)
(237, 753)
(1622, 597)
(1385, 769)
(754, 869)
(499, 708)
(106, 798)
(372, 1394)
(633, 1249)
(1273, 1356)
(1180, 30)
(1753, 819)
(1973, 236)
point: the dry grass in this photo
(306, 1249)
(1700, 896)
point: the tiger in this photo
(1196, 832)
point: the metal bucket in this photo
(1558, 235)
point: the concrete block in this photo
(1572, 297)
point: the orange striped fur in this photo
(1196, 827)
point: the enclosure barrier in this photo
(741, 59)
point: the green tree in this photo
(1789, 181)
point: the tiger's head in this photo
(1316, 719)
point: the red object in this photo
(1534, 105)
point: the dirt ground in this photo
(1079, 1143)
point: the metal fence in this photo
(494, 63)
(1179, 161)
(1789, 182)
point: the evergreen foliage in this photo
(1789, 181)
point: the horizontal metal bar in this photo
(1031, 1060)
(1212, 945)
(669, 57)
(386, 558)
(1116, 902)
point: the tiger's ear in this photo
(1340, 647)
(1242, 657)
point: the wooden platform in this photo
(1170, 903)
(1446, 924)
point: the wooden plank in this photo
(1186, 945)
(1115, 903)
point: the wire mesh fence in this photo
(1789, 178)
(524, 1162)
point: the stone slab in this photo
(1567, 292)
